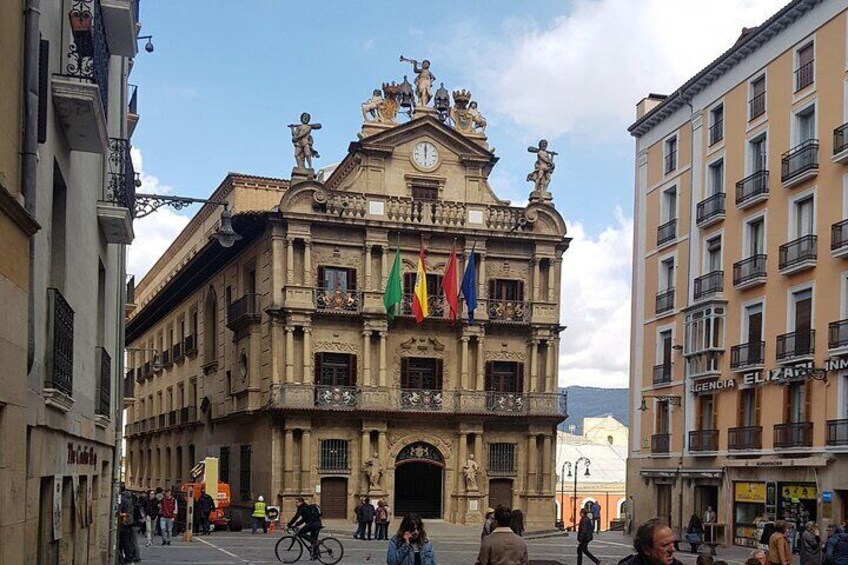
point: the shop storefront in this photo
(749, 513)
(796, 504)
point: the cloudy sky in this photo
(222, 83)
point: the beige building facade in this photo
(65, 218)
(278, 358)
(739, 392)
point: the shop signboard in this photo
(827, 496)
(800, 492)
(780, 374)
(750, 492)
(713, 386)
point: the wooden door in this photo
(334, 497)
(500, 493)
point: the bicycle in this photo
(289, 548)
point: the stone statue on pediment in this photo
(372, 109)
(302, 140)
(540, 176)
(423, 81)
(478, 122)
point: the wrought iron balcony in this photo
(752, 189)
(717, 132)
(165, 358)
(804, 75)
(337, 397)
(339, 300)
(840, 144)
(172, 418)
(757, 105)
(104, 383)
(708, 285)
(420, 399)
(163, 421)
(120, 189)
(508, 310)
(747, 355)
(711, 209)
(795, 434)
(660, 443)
(750, 271)
(798, 255)
(796, 344)
(60, 353)
(667, 232)
(244, 311)
(837, 334)
(800, 163)
(665, 301)
(839, 239)
(88, 53)
(188, 415)
(745, 438)
(509, 402)
(435, 305)
(703, 440)
(662, 374)
(837, 433)
(670, 161)
(190, 345)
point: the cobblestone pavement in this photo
(454, 545)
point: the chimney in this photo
(648, 103)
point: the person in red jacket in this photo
(167, 512)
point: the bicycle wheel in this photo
(330, 551)
(288, 549)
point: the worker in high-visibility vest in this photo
(259, 510)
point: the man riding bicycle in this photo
(310, 516)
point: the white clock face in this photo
(425, 155)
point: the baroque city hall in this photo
(277, 355)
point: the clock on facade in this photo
(425, 155)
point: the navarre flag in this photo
(419, 294)
(469, 284)
(393, 294)
(450, 289)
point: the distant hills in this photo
(587, 402)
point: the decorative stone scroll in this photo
(420, 451)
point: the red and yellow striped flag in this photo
(419, 297)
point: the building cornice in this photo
(10, 206)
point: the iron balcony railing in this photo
(708, 285)
(840, 139)
(188, 415)
(745, 438)
(710, 207)
(747, 354)
(662, 374)
(660, 443)
(749, 269)
(752, 187)
(797, 251)
(839, 235)
(420, 399)
(435, 305)
(800, 159)
(177, 351)
(796, 344)
(795, 434)
(120, 189)
(671, 161)
(667, 232)
(88, 53)
(837, 432)
(837, 334)
(343, 300)
(336, 396)
(505, 402)
(60, 372)
(190, 345)
(244, 309)
(163, 421)
(804, 75)
(165, 357)
(132, 105)
(703, 440)
(717, 132)
(757, 105)
(104, 382)
(507, 310)
(172, 418)
(665, 301)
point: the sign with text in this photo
(780, 374)
(713, 386)
(750, 492)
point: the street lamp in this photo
(574, 467)
(148, 203)
(672, 400)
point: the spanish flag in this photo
(419, 297)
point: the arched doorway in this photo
(419, 472)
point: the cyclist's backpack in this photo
(315, 512)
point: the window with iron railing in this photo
(334, 455)
(60, 369)
(757, 103)
(716, 125)
(502, 460)
(805, 73)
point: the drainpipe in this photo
(29, 158)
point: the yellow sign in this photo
(800, 492)
(750, 492)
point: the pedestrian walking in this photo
(596, 516)
(360, 527)
(517, 524)
(366, 516)
(128, 545)
(695, 533)
(205, 506)
(654, 545)
(585, 534)
(167, 513)
(150, 511)
(810, 548)
(381, 521)
(160, 494)
(488, 522)
(410, 546)
(836, 548)
(259, 515)
(779, 551)
(503, 546)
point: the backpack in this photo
(382, 514)
(312, 512)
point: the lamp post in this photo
(573, 467)
(148, 203)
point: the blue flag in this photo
(469, 284)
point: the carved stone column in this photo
(546, 463)
(531, 463)
(366, 358)
(307, 262)
(288, 462)
(383, 381)
(368, 267)
(482, 291)
(460, 463)
(289, 260)
(463, 376)
(534, 366)
(289, 354)
(552, 286)
(481, 364)
(305, 462)
(550, 371)
(537, 279)
(307, 355)
(365, 453)
(384, 266)
(555, 268)
(478, 452)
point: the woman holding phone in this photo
(410, 546)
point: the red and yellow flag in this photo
(450, 288)
(419, 295)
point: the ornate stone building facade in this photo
(277, 355)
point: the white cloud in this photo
(586, 71)
(153, 233)
(595, 348)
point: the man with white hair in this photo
(259, 514)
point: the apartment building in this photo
(66, 187)
(739, 392)
(277, 355)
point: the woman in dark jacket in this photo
(695, 532)
(810, 549)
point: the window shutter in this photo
(519, 287)
(321, 282)
(439, 368)
(489, 375)
(787, 398)
(408, 283)
(352, 370)
(318, 368)
(758, 403)
(404, 372)
(808, 397)
(43, 86)
(351, 282)
(740, 408)
(519, 381)
(492, 291)
(714, 415)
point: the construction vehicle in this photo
(204, 475)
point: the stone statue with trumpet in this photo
(423, 81)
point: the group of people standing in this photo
(368, 515)
(811, 548)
